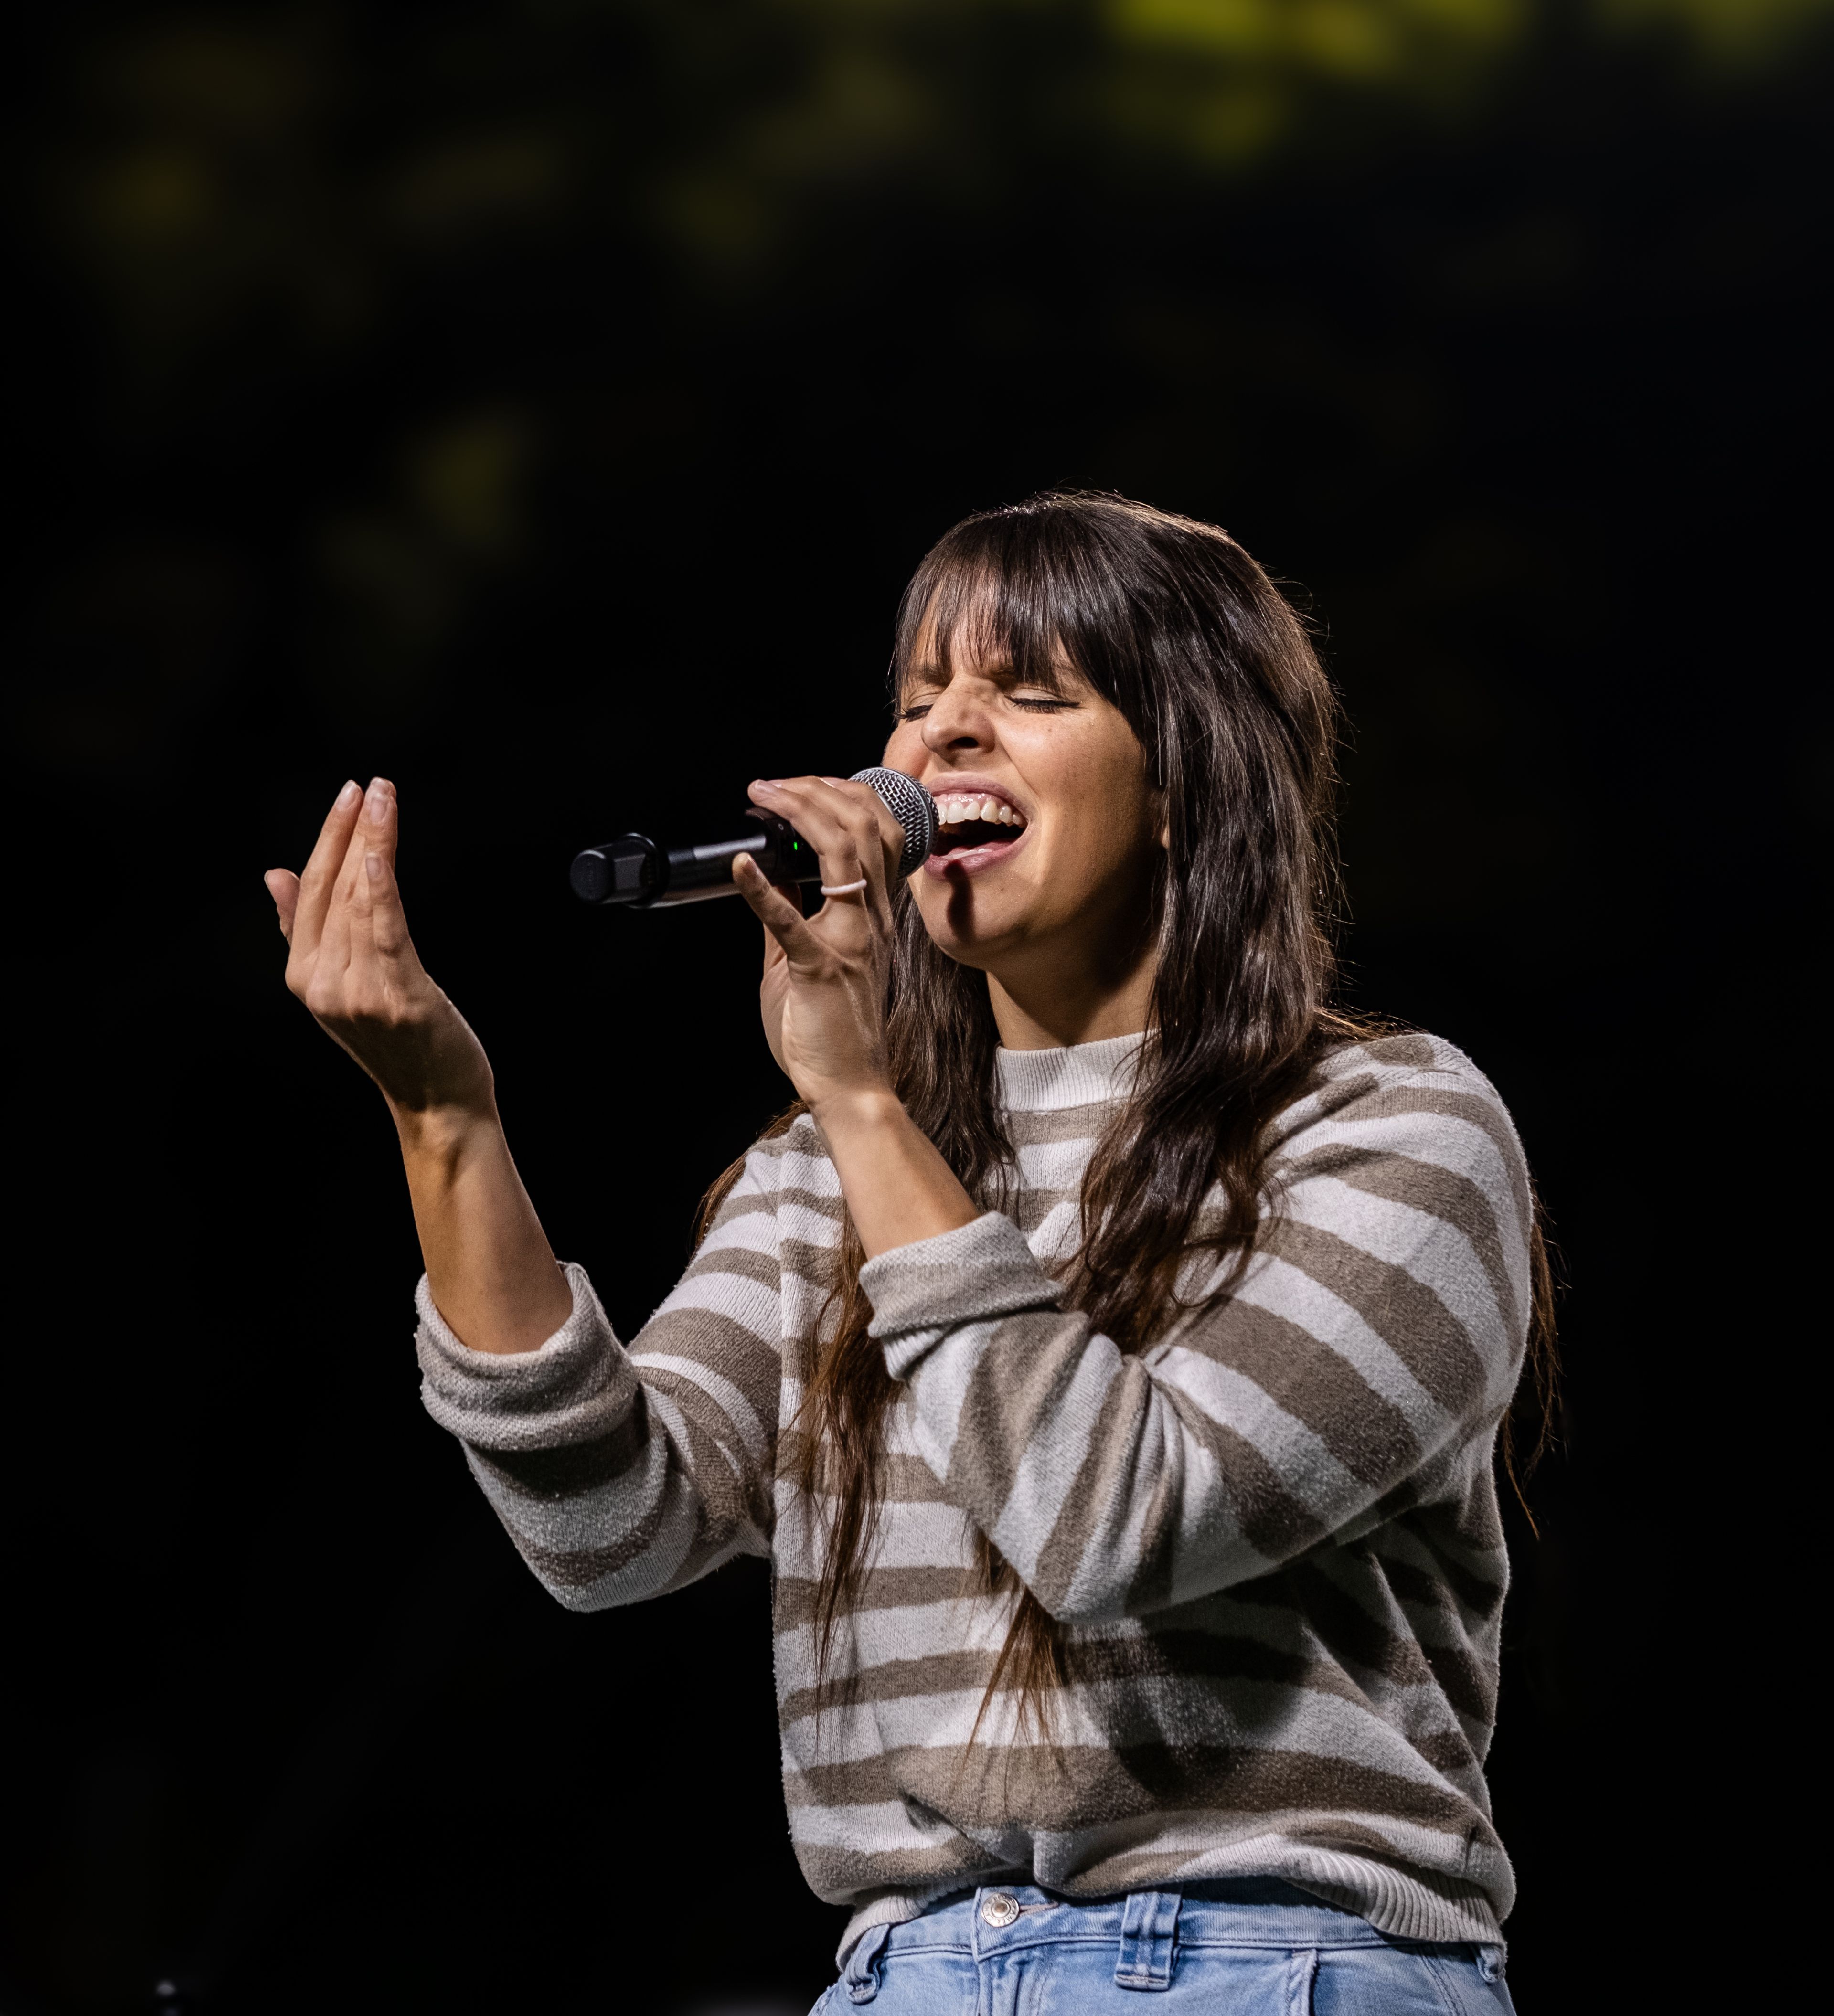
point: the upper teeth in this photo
(958, 808)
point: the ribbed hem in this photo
(1081, 1074)
(1403, 1903)
(974, 1273)
(548, 1398)
(899, 1907)
(1399, 1903)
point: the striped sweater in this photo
(1272, 1538)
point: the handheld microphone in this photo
(649, 874)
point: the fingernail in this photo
(373, 866)
(376, 807)
(349, 795)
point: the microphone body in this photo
(638, 872)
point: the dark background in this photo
(543, 406)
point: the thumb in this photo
(282, 885)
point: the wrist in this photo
(856, 1108)
(445, 1133)
(898, 1189)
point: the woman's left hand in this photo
(824, 991)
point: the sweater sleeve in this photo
(1374, 1342)
(622, 1475)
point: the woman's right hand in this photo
(351, 961)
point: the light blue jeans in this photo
(1236, 1950)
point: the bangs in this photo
(1142, 606)
(992, 610)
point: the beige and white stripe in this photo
(1272, 1538)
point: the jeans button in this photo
(998, 1908)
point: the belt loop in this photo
(1149, 1931)
(862, 1978)
(1302, 1972)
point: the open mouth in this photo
(973, 824)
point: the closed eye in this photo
(918, 709)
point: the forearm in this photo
(493, 1275)
(897, 1187)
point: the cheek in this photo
(1098, 839)
(1078, 857)
(904, 748)
(1077, 770)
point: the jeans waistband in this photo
(1003, 1916)
(1146, 1930)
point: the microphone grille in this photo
(914, 809)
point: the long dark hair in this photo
(1173, 623)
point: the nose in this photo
(958, 722)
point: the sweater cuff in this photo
(573, 1388)
(973, 1274)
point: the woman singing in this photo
(1108, 1350)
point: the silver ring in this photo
(843, 888)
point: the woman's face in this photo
(1050, 825)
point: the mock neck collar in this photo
(1082, 1075)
